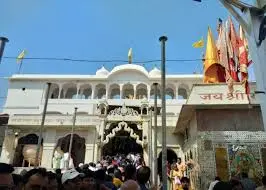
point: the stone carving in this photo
(132, 134)
(102, 108)
(139, 126)
(112, 134)
(123, 111)
(120, 126)
(108, 125)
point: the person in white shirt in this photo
(216, 180)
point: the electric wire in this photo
(102, 61)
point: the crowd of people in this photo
(111, 173)
(242, 182)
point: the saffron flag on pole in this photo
(233, 60)
(198, 44)
(242, 37)
(243, 60)
(213, 71)
(222, 48)
(21, 56)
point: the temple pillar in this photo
(145, 134)
(92, 147)
(59, 91)
(135, 91)
(64, 92)
(8, 148)
(148, 92)
(100, 130)
(92, 91)
(78, 88)
(49, 142)
(121, 91)
(107, 92)
(89, 153)
(176, 90)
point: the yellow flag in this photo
(21, 56)
(211, 55)
(199, 44)
(211, 67)
(130, 55)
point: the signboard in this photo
(219, 94)
(53, 120)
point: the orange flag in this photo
(243, 60)
(233, 61)
(213, 71)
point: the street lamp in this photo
(3, 42)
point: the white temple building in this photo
(220, 133)
(113, 114)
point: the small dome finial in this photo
(102, 71)
(130, 55)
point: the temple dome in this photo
(129, 67)
(102, 72)
(155, 72)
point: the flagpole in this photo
(42, 124)
(3, 42)
(71, 138)
(150, 145)
(163, 39)
(20, 66)
(155, 156)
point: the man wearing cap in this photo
(71, 179)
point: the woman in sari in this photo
(175, 177)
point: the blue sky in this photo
(103, 30)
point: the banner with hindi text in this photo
(213, 94)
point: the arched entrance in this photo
(122, 138)
(171, 157)
(30, 139)
(121, 143)
(78, 147)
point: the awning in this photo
(184, 118)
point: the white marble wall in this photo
(49, 143)
(8, 148)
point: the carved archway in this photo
(123, 138)
(171, 157)
(144, 109)
(78, 147)
(30, 139)
(123, 126)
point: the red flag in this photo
(243, 60)
(233, 59)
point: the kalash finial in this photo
(130, 55)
